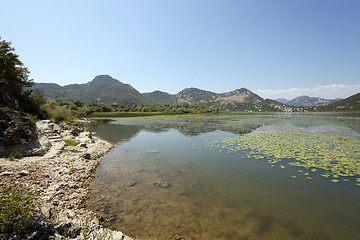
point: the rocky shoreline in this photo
(60, 179)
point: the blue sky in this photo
(276, 48)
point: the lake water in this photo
(162, 181)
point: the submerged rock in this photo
(161, 184)
(131, 183)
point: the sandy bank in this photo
(60, 179)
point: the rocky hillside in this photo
(159, 97)
(18, 134)
(237, 100)
(107, 90)
(102, 89)
(349, 104)
(307, 101)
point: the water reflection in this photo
(159, 183)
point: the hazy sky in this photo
(275, 48)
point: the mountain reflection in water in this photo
(159, 182)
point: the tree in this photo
(13, 78)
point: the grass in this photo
(17, 210)
(71, 142)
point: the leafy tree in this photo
(78, 103)
(14, 77)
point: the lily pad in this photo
(337, 156)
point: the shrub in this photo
(58, 113)
(17, 210)
(15, 155)
(61, 114)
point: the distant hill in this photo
(307, 101)
(102, 89)
(351, 103)
(159, 97)
(238, 100)
(282, 100)
(107, 90)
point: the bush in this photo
(15, 155)
(58, 113)
(17, 210)
(61, 114)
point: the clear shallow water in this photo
(160, 182)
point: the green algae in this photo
(335, 156)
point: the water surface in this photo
(161, 182)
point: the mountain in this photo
(159, 97)
(282, 100)
(238, 100)
(351, 103)
(102, 89)
(107, 90)
(307, 101)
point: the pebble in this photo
(87, 156)
(6, 173)
(24, 173)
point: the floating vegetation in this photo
(337, 156)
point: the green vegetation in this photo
(57, 112)
(123, 114)
(349, 104)
(334, 155)
(152, 109)
(71, 142)
(159, 97)
(14, 77)
(15, 155)
(68, 111)
(17, 210)
(102, 89)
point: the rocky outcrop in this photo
(19, 134)
(228, 100)
(60, 179)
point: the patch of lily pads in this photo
(336, 156)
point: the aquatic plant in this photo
(336, 155)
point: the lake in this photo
(176, 177)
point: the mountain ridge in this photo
(351, 104)
(241, 99)
(305, 100)
(159, 97)
(107, 90)
(102, 89)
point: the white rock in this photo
(24, 173)
(6, 173)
